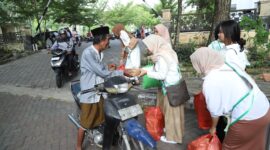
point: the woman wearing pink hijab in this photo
(166, 69)
(230, 91)
(163, 31)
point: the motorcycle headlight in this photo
(122, 88)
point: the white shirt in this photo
(164, 71)
(63, 45)
(217, 45)
(233, 55)
(134, 57)
(93, 71)
(223, 88)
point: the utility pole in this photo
(41, 17)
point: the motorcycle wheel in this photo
(59, 79)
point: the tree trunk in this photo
(178, 22)
(222, 13)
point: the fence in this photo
(195, 22)
(202, 22)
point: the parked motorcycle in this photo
(120, 105)
(59, 64)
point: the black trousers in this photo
(222, 123)
(70, 61)
(109, 131)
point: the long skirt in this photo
(174, 118)
(247, 135)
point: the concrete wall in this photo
(202, 37)
(265, 8)
(196, 37)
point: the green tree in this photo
(222, 12)
(72, 12)
(61, 11)
(203, 6)
(129, 14)
(259, 52)
(167, 4)
(219, 8)
(177, 29)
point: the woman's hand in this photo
(143, 72)
(111, 67)
(121, 62)
(212, 131)
(214, 125)
(152, 58)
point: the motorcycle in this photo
(120, 105)
(59, 64)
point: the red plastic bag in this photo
(154, 121)
(203, 115)
(205, 142)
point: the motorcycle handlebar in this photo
(97, 87)
(100, 87)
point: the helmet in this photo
(62, 31)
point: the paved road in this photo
(33, 111)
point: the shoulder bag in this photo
(177, 94)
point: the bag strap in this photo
(163, 85)
(233, 50)
(241, 99)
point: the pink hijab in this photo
(205, 59)
(159, 47)
(163, 32)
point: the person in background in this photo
(51, 39)
(166, 69)
(89, 36)
(76, 37)
(230, 91)
(129, 57)
(217, 44)
(69, 34)
(142, 32)
(66, 44)
(234, 52)
(94, 71)
(138, 33)
(163, 31)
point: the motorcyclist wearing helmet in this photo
(66, 44)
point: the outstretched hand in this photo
(111, 67)
(143, 72)
(212, 131)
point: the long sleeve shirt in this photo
(63, 45)
(217, 45)
(93, 71)
(169, 73)
(233, 55)
(134, 56)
